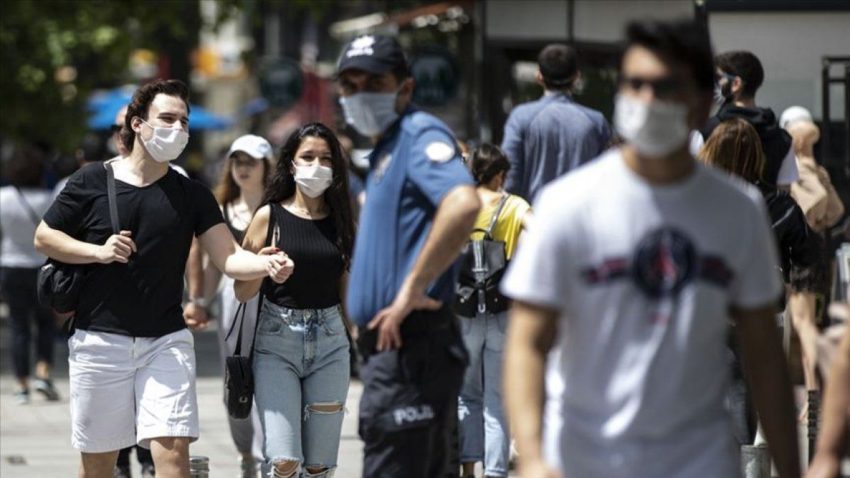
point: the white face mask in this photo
(166, 144)
(655, 129)
(313, 180)
(369, 113)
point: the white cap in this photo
(794, 114)
(253, 145)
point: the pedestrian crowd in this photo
(585, 300)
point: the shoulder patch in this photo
(439, 151)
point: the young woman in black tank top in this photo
(301, 356)
(239, 192)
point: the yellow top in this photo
(509, 225)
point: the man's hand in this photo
(279, 265)
(535, 468)
(116, 249)
(195, 316)
(388, 320)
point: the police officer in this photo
(420, 208)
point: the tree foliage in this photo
(54, 53)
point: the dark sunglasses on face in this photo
(115, 128)
(666, 87)
(723, 75)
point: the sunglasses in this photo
(115, 128)
(663, 88)
(723, 75)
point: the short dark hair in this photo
(141, 102)
(488, 161)
(680, 42)
(745, 66)
(558, 65)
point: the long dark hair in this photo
(281, 185)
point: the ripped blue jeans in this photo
(301, 373)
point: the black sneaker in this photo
(121, 472)
(45, 387)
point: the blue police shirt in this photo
(413, 166)
(548, 138)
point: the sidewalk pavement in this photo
(35, 439)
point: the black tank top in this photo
(238, 234)
(314, 284)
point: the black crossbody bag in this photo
(59, 284)
(238, 368)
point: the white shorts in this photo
(127, 390)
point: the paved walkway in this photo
(35, 438)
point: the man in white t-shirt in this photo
(624, 287)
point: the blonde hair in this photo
(735, 146)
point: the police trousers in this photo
(409, 400)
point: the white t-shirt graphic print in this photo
(643, 277)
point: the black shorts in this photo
(410, 395)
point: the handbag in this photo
(483, 263)
(59, 284)
(238, 371)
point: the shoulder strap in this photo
(239, 316)
(495, 217)
(256, 324)
(34, 217)
(110, 192)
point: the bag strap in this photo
(243, 306)
(256, 324)
(34, 217)
(241, 319)
(495, 217)
(113, 201)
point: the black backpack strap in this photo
(489, 231)
(113, 201)
(34, 217)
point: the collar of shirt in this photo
(549, 95)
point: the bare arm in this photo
(767, 374)
(343, 293)
(531, 334)
(834, 439)
(57, 245)
(195, 312)
(195, 271)
(255, 238)
(238, 263)
(453, 222)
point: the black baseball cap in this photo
(377, 54)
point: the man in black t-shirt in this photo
(132, 363)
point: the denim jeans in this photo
(484, 434)
(301, 363)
